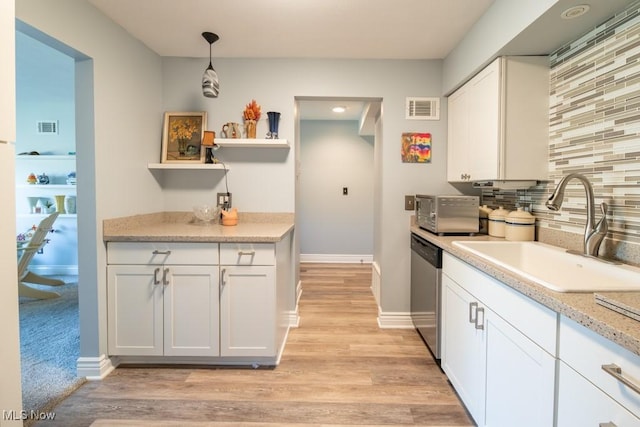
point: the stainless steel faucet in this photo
(593, 234)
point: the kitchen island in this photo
(180, 290)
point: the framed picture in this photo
(182, 137)
(416, 147)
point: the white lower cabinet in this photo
(490, 352)
(157, 305)
(248, 300)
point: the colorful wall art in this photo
(416, 147)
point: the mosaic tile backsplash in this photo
(594, 129)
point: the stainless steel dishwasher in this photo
(426, 295)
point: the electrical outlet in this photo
(345, 191)
(224, 200)
(409, 203)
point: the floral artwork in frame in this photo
(182, 137)
(416, 147)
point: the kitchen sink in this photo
(555, 268)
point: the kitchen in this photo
(141, 116)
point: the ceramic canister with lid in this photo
(520, 226)
(484, 219)
(496, 222)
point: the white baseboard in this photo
(337, 258)
(54, 270)
(376, 280)
(94, 368)
(293, 319)
(397, 320)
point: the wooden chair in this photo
(26, 251)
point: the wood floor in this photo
(338, 369)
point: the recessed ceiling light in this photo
(339, 109)
(576, 11)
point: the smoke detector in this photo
(575, 11)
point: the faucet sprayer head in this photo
(554, 203)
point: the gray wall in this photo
(333, 226)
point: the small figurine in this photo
(31, 179)
(43, 179)
(71, 178)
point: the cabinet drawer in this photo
(162, 253)
(580, 403)
(534, 320)
(247, 254)
(586, 352)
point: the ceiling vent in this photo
(48, 127)
(423, 109)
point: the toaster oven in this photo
(454, 214)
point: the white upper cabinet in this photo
(7, 72)
(499, 123)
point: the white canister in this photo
(496, 222)
(70, 204)
(520, 226)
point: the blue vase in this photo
(274, 120)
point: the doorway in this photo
(336, 179)
(46, 124)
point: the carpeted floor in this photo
(49, 346)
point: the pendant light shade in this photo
(210, 85)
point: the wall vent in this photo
(50, 126)
(423, 109)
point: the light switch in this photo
(409, 202)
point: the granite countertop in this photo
(184, 227)
(579, 306)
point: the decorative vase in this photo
(33, 202)
(60, 203)
(274, 119)
(70, 204)
(250, 128)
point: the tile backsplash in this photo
(594, 129)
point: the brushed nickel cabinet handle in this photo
(478, 312)
(249, 253)
(222, 280)
(157, 252)
(165, 277)
(155, 276)
(473, 312)
(616, 372)
(609, 424)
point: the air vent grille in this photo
(423, 109)
(50, 126)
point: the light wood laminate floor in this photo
(338, 369)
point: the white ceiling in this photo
(371, 29)
(394, 29)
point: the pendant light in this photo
(210, 85)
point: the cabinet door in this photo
(463, 348)
(483, 145)
(134, 310)
(580, 403)
(191, 311)
(247, 311)
(458, 130)
(520, 378)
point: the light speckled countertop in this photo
(579, 306)
(184, 227)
